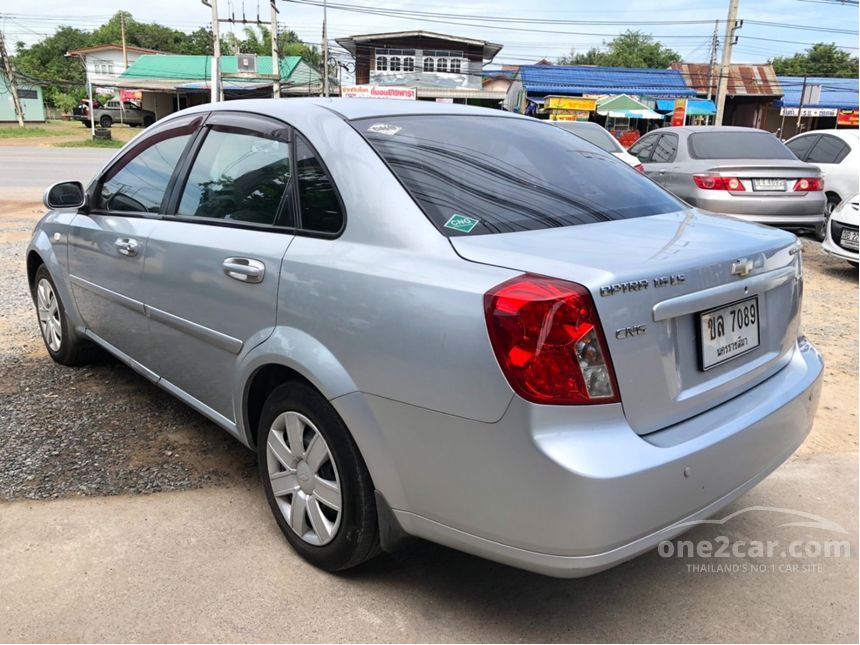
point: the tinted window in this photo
(664, 151)
(828, 150)
(494, 174)
(598, 136)
(801, 146)
(643, 148)
(237, 176)
(737, 145)
(138, 184)
(320, 206)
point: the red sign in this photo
(848, 117)
(679, 114)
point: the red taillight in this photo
(715, 182)
(810, 184)
(548, 341)
(639, 167)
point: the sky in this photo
(28, 21)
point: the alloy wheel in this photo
(304, 478)
(49, 315)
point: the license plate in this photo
(728, 332)
(769, 184)
(849, 239)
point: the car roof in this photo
(847, 134)
(691, 129)
(351, 108)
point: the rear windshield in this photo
(598, 136)
(737, 145)
(483, 174)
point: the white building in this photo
(105, 63)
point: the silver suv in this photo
(438, 321)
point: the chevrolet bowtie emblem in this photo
(742, 267)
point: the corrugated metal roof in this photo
(744, 80)
(585, 79)
(840, 93)
(197, 68)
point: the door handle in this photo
(126, 246)
(244, 269)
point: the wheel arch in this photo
(34, 261)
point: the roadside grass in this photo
(17, 132)
(90, 143)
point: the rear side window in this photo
(237, 176)
(737, 145)
(137, 185)
(828, 150)
(598, 136)
(482, 174)
(643, 148)
(664, 151)
(801, 146)
(320, 206)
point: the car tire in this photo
(87, 124)
(62, 343)
(105, 121)
(315, 480)
(148, 121)
(832, 202)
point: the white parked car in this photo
(599, 136)
(842, 231)
(837, 153)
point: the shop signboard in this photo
(849, 118)
(377, 92)
(679, 114)
(570, 103)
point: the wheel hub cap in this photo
(49, 315)
(304, 478)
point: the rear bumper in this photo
(801, 210)
(573, 496)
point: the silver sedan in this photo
(437, 321)
(743, 172)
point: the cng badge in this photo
(462, 223)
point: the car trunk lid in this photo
(653, 276)
(773, 178)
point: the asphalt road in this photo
(24, 170)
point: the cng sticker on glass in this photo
(462, 223)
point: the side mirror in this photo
(66, 194)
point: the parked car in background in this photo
(842, 229)
(596, 134)
(112, 112)
(742, 172)
(836, 153)
(437, 320)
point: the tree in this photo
(822, 59)
(630, 49)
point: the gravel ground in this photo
(103, 430)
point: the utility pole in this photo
(712, 60)
(122, 31)
(800, 106)
(325, 47)
(725, 65)
(10, 80)
(215, 76)
(276, 54)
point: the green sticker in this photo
(462, 223)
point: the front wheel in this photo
(315, 480)
(821, 229)
(105, 121)
(148, 121)
(60, 340)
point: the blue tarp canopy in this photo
(585, 79)
(839, 93)
(695, 107)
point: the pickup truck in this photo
(112, 112)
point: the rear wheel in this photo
(832, 202)
(315, 479)
(105, 121)
(63, 345)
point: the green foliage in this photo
(822, 59)
(630, 49)
(27, 131)
(91, 143)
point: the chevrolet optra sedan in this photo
(437, 321)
